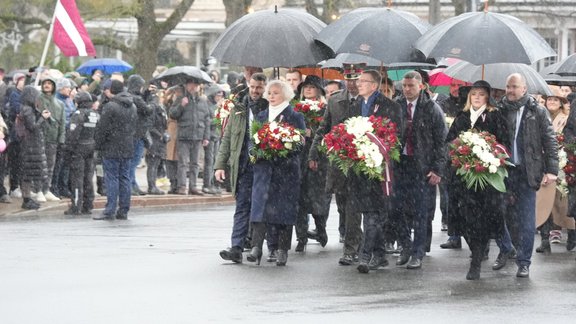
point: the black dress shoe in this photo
(523, 272)
(155, 191)
(414, 263)
(322, 237)
(348, 259)
(313, 234)
(501, 261)
(121, 216)
(72, 212)
(544, 247)
(452, 244)
(233, 254)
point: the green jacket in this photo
(55, 128)
(231, 145)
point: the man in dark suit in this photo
(421, 167)
(367, 194)
(341, 106)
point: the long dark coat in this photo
(32, 154)
(276, 186)
(476, 214)
(339, 109)
(367, 195)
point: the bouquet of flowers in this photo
(222, 113)
(274, 140)
(567, 165)
(480, 160)
(365, 145)
(312, 110)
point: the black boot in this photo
(301, 246)
(477, 249)
(101, 187)
(544, 243)
(322, 237)
(571, 241)
(258, 234)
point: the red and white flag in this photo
(70, 35)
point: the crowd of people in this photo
(66, 131)
(373, 224)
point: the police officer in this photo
(81, 145)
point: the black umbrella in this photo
(566, 67)
(272, 38)
(483, 38)
(385, 34)
(180, 74)
(555, 79)
(497, 73)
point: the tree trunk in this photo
(235, 9)
(459, 7)
(434, 15)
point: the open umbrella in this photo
(106, 65)
(340, 59)
(566, 67)
(272, 38)
(484, 38)
(555, 79)
(497, 73)
(180, 74)
(385, 34)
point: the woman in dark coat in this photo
(29, 123)
(156, 153)
(478, 215)
(276, 186)
(313, 197)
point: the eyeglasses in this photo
(365, 81)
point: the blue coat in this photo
(276, 186)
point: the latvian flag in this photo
(69, 32)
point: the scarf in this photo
(474, 114)
(515, 105)
(274, 111)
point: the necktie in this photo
(409, 144)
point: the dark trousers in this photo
(14, 164)
(51, 150)
(242, 213)
(284, 231)
(341, 214)
(374, 236)
(61, 174)
(152, 163)
(138, 152)
(118, 188)
(353, 225)
(172, 173)
(3, 168)
(302, 226)
(81, 174)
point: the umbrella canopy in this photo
(180, 74)
(106, 65)
(336, 63)
(555, 79)
(272, 38)
(496, 74)
(566, 67)
(483, 38)
(385, 34)
(439, 78)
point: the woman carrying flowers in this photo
(313, 197)
(276, 185)
(477, 213)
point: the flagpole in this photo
(45, 52)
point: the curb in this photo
(137, 203)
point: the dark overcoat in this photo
(366, 194)
(339, 109)
(476, 214)
(32, 154)
(276, 186)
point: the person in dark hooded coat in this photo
(29, 124)
(81, 144)
(114, 140)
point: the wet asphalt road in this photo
(163, 267)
